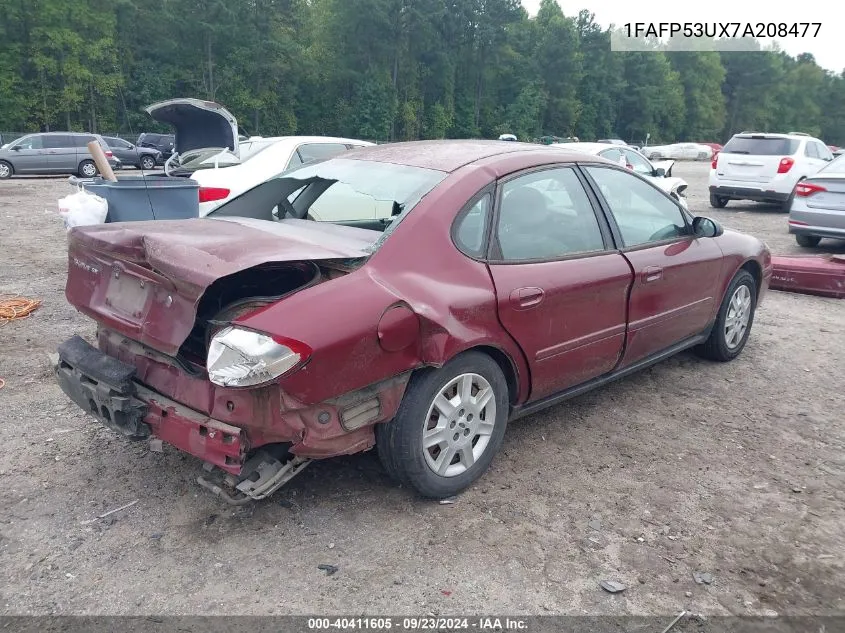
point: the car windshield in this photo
(836, 166)
(364, 194)
(761, 146)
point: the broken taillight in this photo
(243, 358)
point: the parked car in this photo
(818, 205)
(716, 147)
(507, 137)
(658, 173)
(611, 141)
(226, 182)
(162, 143)
(141, 157)
(764, 167)
(257, 339)
(53, 153)
(679, 151)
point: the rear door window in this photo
(53, 141)
(761, 146)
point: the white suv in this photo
(764, 167)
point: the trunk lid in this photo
(754, 158)
(145, 279)
(834, 196)
(199, 125)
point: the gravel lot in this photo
(736, 470)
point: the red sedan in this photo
(414, 297)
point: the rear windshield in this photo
(761, 146)
(364, 194)
(837, 166)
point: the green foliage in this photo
(390, 70)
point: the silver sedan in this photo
(818, 205)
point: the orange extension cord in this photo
(12, 308)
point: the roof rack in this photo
(799, 134)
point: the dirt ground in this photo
(735, 470)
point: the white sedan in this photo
(660, 173)
(260, 160)
(679, 151)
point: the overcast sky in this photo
(828, 48)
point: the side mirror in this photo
(16, 148)
(659, 172)
(706, 227)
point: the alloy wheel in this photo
(739, 313)
(459, 425)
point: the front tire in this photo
(148, 163)
(807, 241)
(733, 323)
(718, 202)
(449, 426)
(6, 170)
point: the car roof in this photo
(64, 133)
(590, 148)
(792, 135)
(451, 155)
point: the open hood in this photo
(666, 165)
(198, 124)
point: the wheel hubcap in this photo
(739, 314)
(4, 171)
(459, 425)
(89, 169)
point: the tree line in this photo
(390, 70)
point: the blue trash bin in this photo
(153, 197)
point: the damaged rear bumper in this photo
(107, 389)
(141, 394)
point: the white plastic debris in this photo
(82, 208)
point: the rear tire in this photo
(444, 405)
(718, 202)
(87, 169)
(807, 241)
(734, 321)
